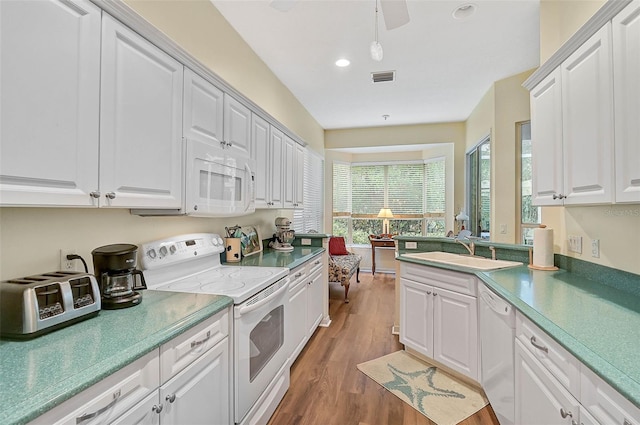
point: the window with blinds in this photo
(311, 216)
(415, 193)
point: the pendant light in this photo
(376, 47)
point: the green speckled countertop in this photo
(597, 322)
(272, 258)
(38, 374)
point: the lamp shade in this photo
(462, 216)
(385, 213)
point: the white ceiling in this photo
(443, 66)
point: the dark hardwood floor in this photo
(327, 388)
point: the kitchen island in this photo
(39, 374)
(592, 311)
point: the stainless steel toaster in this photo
(33, 305)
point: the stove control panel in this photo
(181, 248)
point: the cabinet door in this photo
(237, 126)
(298, 190)
(50, 84)
(297, 322)
(260, 153)
(200, 393)
(289, 172)
(202, 109)
(626, 66)
(455, 331)
(314, 302)
(416, 316)
(277, 167)
(540, 399)
(587, 117)
(546, 140)
(141, 122)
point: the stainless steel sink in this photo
(479, 263)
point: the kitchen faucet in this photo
(471, 247)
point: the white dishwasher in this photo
(497, 333)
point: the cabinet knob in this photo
(157, 408)
(170, 398)
(435, 293)
(229, 144)
(110, 195)
(95, 194)
(428, 292)
(223, 144)
(558, 196)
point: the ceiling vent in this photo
(383, 76)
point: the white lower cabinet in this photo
(199, 394)
(540, 398)
(437, 322)
(305, 305)
(192, 392)
(554, 387)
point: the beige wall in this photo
(199, 28)
(505, 104)
(616, 226)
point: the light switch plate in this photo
(575, 244)
(595, 248)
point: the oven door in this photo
(260, 344)
(219, 183)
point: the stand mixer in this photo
(283, 235)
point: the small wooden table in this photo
(379, 243)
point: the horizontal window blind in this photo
(341, 188)
(311, 216)
(367, 189)
(434, 173)
(405, 189)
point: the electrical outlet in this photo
(67, 265)
(305, 241)
(503, 229)
(595, 248)
(411, 245)
(575, 244)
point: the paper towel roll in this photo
(543, 247)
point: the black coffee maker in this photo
(115, 269)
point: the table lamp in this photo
(386, 214)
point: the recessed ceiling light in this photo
(342, 63)
(464, 11)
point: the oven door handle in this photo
(249, 308)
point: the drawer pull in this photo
(539, 347)
(170, 398)
(202, 341)
(626, 422)
(317, 262)
(565, 413)
(297, 275)
(100, 411)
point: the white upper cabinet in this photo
(293, 168)
(140, 122)
(546, 132)
(50, 84)
(237, 126)
(626, 65)
(587, 118)
(202, 110)
(267, 149)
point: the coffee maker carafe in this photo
(115, 269)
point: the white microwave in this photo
(217, 183)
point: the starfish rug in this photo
(439, 396)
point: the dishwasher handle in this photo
(496, 304)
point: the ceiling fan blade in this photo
(283, 5)
(395, 13)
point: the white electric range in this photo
(191, 263)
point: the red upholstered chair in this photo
(342, 264)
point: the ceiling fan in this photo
(394, 12)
